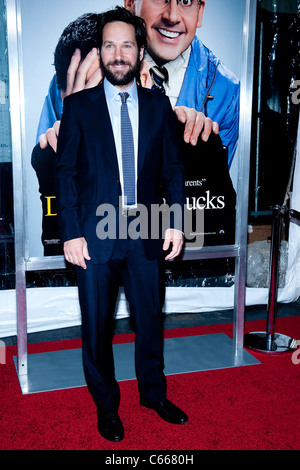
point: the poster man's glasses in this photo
(186, 6)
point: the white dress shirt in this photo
(113, 100)
(176, 70)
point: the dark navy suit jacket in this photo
(87, 172)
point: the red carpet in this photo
(251, 407)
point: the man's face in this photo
(120, 57)
(170, 31)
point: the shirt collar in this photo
(174, 65)
(112, 92)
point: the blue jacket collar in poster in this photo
(205, 74)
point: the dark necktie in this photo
(128, 163)
(159, 76)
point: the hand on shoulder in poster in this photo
(50, 137)
(80, 75)
(196, 123)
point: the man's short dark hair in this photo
(82, 34)
(125, 16)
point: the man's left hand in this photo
(196, 123)
(83, 74)
(176, 238)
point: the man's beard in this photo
(119, 78)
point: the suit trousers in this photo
(98, 288)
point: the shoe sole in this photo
(164, 419)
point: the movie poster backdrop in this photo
(209, 182)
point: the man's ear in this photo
(129, 5)
(142, 51)
(146, 80)
(200, 14)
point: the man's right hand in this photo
(80, 76)
(76, 251)
(50, 137)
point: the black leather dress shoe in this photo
(110, 426)
(167, 411)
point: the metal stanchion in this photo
(270, 341)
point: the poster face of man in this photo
(171, 27)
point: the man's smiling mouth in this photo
(168, 34)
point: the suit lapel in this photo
(145, 123)
(104, 127)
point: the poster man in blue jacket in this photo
(198, 83)
(197, 79)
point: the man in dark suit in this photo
(106, 168)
